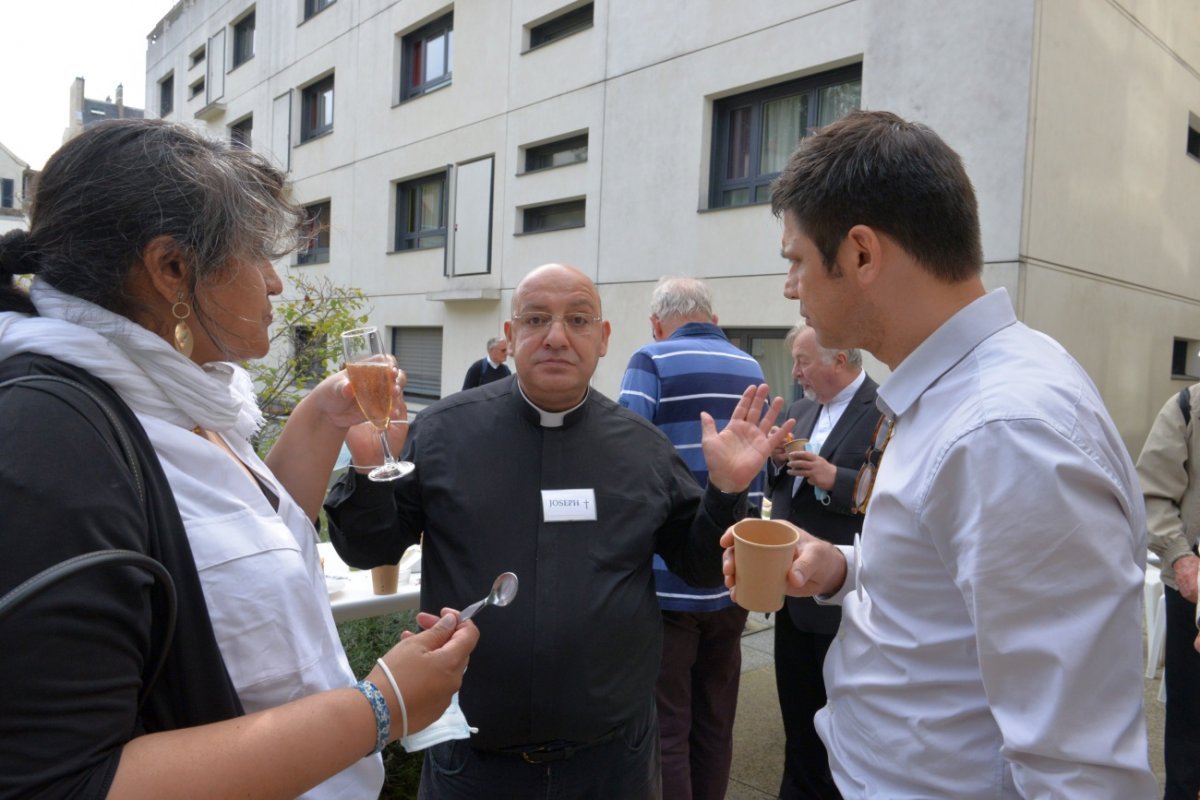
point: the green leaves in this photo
(305, 346)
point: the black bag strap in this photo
(1185, 405)
(52, 575)
(122, 436)
(59, 572)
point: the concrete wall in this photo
(1110, 243)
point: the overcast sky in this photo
(47, 44)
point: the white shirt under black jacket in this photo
(828, 417)
(990, 644)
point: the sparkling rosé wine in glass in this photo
(370, 372)
(373, 390)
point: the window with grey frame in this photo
(7, 193)
(316, 241)
(314, 7)
(316, 109)
(562, 26)
(195, 89)
(242, 132)
(421, 213)
(572, 150)
(196, 58)
(756, 132)
(243, 39)
(554, 216)
(427, 58)
(166, 95)
(768, 347)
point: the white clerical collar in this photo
(551, 419)
(847, 393)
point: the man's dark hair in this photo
(874, 168)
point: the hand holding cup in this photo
(763, 551)
(779, 455)
(806, 463)
(795, 445)
(817, 567)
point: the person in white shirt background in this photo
(990, 644)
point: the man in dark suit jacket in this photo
(492, 367)
(814, 489)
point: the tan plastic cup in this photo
(385, 579)
(763, 550)
(794, 445)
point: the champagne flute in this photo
(370, 371)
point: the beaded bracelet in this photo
(383, 717)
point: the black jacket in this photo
(74, 658)
(481, 372)
(845, 447)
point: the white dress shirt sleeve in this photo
(850, 553)
(1050, 596)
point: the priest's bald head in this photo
(557, 335)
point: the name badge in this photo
(568, 505)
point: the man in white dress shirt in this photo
(990, 640)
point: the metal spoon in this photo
(504, 589)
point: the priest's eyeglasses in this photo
(540, 322)
(865, 481)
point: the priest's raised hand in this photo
(737, 454)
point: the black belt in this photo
(556, 751)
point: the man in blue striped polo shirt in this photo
(692, 367)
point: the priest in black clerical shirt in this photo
(543, 476)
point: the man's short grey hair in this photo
(495, 340)
(853, 354)
(679, 297)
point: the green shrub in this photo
(305, 346)
(366, 640)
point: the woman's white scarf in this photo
(148, 374)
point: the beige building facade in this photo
(15, 176)
(449, 148)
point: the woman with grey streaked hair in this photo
(151, 248)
